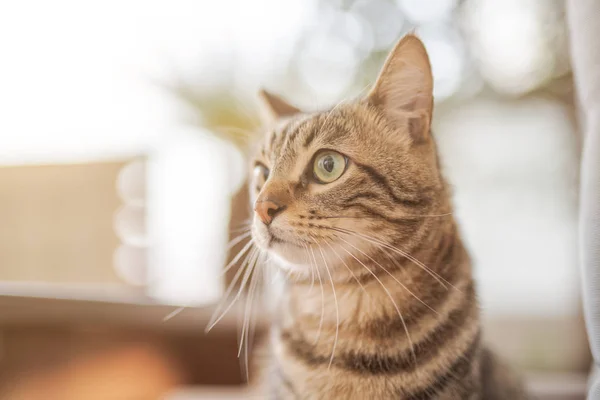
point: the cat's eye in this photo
(329, 166)
(260, 175)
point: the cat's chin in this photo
(286, 255)
(298, 266)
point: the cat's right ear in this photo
(404, 88)
(274, 107)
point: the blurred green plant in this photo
(223, 112)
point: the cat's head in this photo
(335, 184)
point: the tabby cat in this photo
(351, 203)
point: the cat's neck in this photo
(403, 325)
(408, 287)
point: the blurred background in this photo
(123, 129)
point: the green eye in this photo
(329, 166)
(260, 175)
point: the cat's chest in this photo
(292, 378)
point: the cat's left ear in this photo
(404, 89)
(274, 107)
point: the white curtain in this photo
(584, 21)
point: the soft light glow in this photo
(82, 81)
(264, 34)
(131, 264)
(447, 59)
(130, 224)
(188, 204)
(131, 183)
(328, 66)
(513, 41)
(351, 27)
(384, 18)
(420, 11)
(513, 166)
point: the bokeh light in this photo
(327, 65)
(420, 11)
(447, 58)
(515, 42)
(384, 18)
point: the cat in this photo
(380, 301)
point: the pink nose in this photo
(267, 210)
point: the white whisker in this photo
(242, 227)
(247, 316)
(253, 318)
(337, 311)
(435, 275)
(231, 286)
(312, 270)
(322, 296)
(347, 267)
(389, 273)
(249, 268)
(392, 300)
(173, 313)
(238, 239)
(237, 257)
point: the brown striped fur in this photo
(380, 302)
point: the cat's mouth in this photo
(283, 244)
(267, 238)
(273, 239)
(279, 241)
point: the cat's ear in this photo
(404, 89)
(274, 107)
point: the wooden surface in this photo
(108, 305)
(41, 368)
(239, 222)
(118, 347)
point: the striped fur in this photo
(380, 303)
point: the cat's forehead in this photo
(294, 139)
